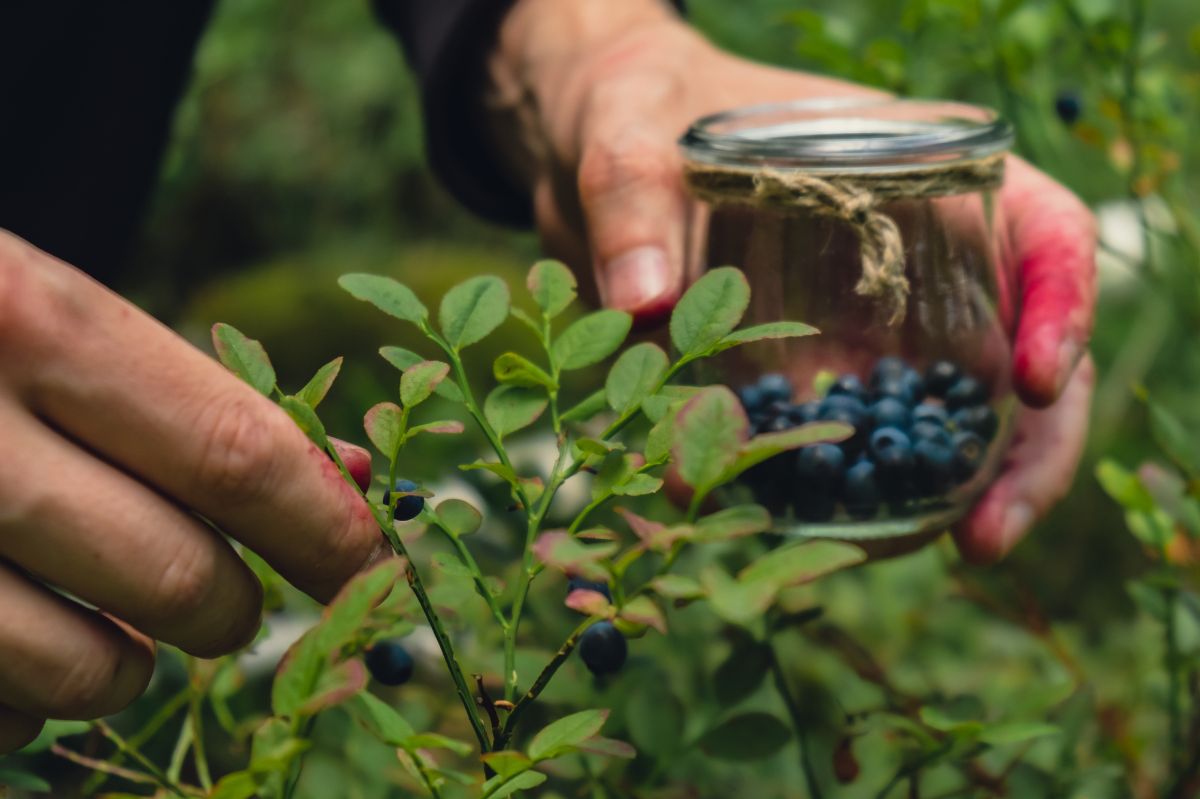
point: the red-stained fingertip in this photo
(357, 460)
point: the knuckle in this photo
(82, 688)
(183, 588)
(238, 449)
(346, 549)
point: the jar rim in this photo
(847, 134)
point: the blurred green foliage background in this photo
(298, 155)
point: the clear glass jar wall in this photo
(800, 196)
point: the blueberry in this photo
(929, 431)
(775, 386)
(751, 398)
(969, 453)
(886, 368)
(940, 376)
(898, 387)
(965, 391)
(891, 452)
(934, 470)
(1068, 106)
(849, 385)
(860, 493)
(603, 648)
(390, 663)
(407, 507)
(578, 584)
(890, 412)
(915, 384)
(928, 412)
(978, 419)
(847, 409)
(820, 465)
(805, 412)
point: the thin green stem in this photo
(147, 731)
(199, 756)
(797, 717)
(468, 560)
(179, 754)
(426, 777)
(154, 771)
(555, 372)
(543, 679)
(1174, 709)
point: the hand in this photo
(122, 443)
(589, 100)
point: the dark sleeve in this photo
(446, 42)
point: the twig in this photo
(147, 731)
(488, 705)
(104, 767)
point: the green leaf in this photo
(442, 427)
(273, 748)
(418, 382)
(521, 782)
(404, 359)
(742, 672)
(21, 780)
(638, 485)
(643, 610)
(517, 370)
(607, 747)
(587, 408)
(748, 736)
(511, 408)
(380, 719)
(1123, 486)
(660, 439)
(1149, 599)
(53, 730)
(590, 339)
(498, 469)
(433, 740)
(635, 374)
(558, 549)
(734, 522)
(245, 357)
(562, 736)
(384, 426)
(315, 390)
(740, 603)
(526, 320)
(388, 295)
(596, 446)
(507, 763)
(768, 445)
(617, 468)
(1016, 732)
(709, 432)
(1174, 439)
(770, 330)
(473, 309)
(306, 419)
(335, 686)
(1153, 528)
(459, 517)
(552, 286)
(801, 563)
(236, 785)
(709, 310)
(677, 586)
(667, 401)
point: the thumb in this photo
(632, 195)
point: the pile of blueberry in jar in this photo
(916, 439)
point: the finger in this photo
(83, 526)
(356, 460)
(1040, 465)
(128, 387)
(17, 729)
(1054, 236)
(62, 660)
(632, 194)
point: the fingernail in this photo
(636, 279)
(1069, 353)
(1017, 521)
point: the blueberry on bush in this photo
(578, 584)
(390, 663)
(407, 507)
(1068, 106)
(603, 648)
(940, 376)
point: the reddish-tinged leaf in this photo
(598, 534)
(589, 603)
(558, 549)
(709, 432)
(642, 527)
(382, 423)
(642, 610)
(335, 686)
(608, 747)
(445, 427)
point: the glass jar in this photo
(876, 222)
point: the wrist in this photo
(546, 55)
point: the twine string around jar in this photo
(855, 200)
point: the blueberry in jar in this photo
(890, 412)
(603, 648)
(805, 412)
(752, 398)
(934, 467)
(914, 384)
(891, 451)
(820, 465)
(775, 387)
(928, 412)
(965, 391)
(929, 431)
(846, 409)
(848, 385)
(969, 453)
(886, 368)
(978, 419)
(860, 492)
(940, 376)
